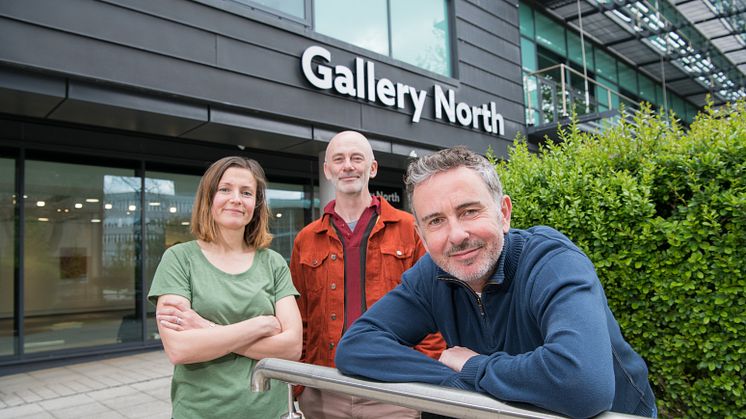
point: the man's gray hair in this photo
(425, 167)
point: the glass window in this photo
(81, 230)
(526, 20)
(606, 95)
(169, 198)
(420, 35)
(659, 96)
(691, 112)
(550, 34)
(677, 105)
(288, 204)
(528, 55)
(360, 22)
(575, 54)
(289, 7)
(646, 88)
(605, 66)
(7, 254)
(627, 77)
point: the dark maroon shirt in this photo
(355, 244)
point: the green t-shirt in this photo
(221, 388)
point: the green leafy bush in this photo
(661, 211)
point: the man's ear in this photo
(373, 169)
(327, 175)
(506, 209)
(419, 233)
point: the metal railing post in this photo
(562, 86)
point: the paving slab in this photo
(130, 386)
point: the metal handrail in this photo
(419, 396)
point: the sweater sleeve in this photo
(572, 371)
(379, 344)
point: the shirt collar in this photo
(375, 203)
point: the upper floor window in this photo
(295, 8)
(414, 31)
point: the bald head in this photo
(349, 139)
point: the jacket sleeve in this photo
(379, 344)
(572, 372)
(433, 344)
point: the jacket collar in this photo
(388, 214)
(507, 264)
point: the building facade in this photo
(110, 110)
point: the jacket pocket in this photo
(315, 269)
(395, 260)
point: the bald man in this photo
(344, 262)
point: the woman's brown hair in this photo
(203, 227)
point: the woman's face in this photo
(235, 199)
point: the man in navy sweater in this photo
(522, 311)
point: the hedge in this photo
(661, 211)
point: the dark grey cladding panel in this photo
(505, 9)
(256, 66)
(118, 25)
(102, 106)
(492, 15)
(216, 20)
(258, 61)
(85, 57)
(29, 94)
(72, 54)
(489, 41)
(495, 64)
(251, 131)
(483, 79)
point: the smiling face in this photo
(235, 199)
(349, 163)
(460, 223)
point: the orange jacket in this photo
(317, 268)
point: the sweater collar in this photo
(507, 264)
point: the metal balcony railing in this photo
(423, 397)
(549, 100)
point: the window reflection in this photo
(288, 204)
(169, 198)
(360, 22)
(414, 31)
(419, 34)
(82, 237)
(79, 266)
(7, 259)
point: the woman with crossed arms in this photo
(226, 300)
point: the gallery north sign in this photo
(361, 82)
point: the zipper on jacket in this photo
(480, 305)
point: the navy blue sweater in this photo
(542, 327)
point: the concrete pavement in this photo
(131, 386)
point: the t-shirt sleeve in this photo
(171, 277)
(283, 282)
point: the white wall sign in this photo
(362, 83)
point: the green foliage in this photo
(661, 211)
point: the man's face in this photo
(461, 225)
(349, 163)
